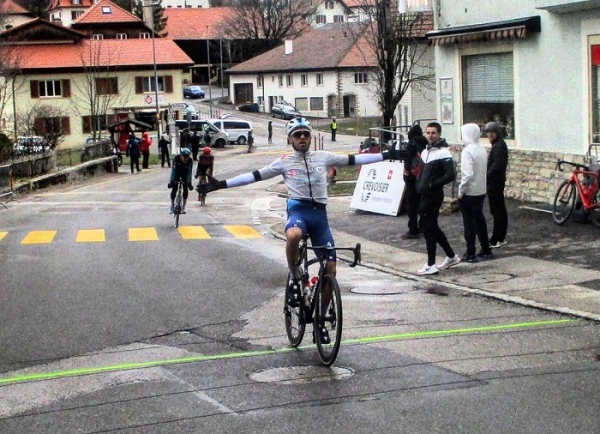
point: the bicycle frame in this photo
(587, 190)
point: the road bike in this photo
(321, 303)
(178, 204)
(580, 190)
(202, 196)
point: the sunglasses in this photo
(299, 134)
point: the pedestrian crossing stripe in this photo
(242, 231)
(90, 236)
(193, 233)
(136, 234)
(143, 234)
(39, 237)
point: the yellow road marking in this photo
(143, 234)
(193, 233)
(39, 237)
(2, 234)
(239, 231)
(90, 236)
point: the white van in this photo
(236, 129)
(218, 138)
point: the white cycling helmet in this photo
(298, 124)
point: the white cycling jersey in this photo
(304, 173)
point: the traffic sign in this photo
(178, 106)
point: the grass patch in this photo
(348, 173)
(358, 126)
(345, 189)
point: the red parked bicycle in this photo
(581, 188)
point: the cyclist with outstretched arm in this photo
(305, 176)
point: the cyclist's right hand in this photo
(170, 185)
(212, 184)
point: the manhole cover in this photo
(379, 288)
(301, 374)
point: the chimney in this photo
(288, 47)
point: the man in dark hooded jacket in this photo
(496, 180)
(437, 170)
(412, 163)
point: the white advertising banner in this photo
(379, 188)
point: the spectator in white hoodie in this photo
(471, 193)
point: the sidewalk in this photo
(545, 266)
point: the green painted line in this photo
(194, 359)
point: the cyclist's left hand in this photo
(169, 185)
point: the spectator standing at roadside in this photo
(471, 193)
(207, 138)
(145, 149)
(195, 139)
(412, 163)
(333, 127)
(133, 152)
(163, 147)
(497, 164)
(437, 170)
(250, 141)
(270, 130)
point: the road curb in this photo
(475, 291)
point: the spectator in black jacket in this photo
(412, 163)
(437, 170)
(496, 179)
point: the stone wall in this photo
(531, 175)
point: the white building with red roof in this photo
(62, 69)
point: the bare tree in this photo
(270, 21)
(396, 40)
(11, 81)
(46, 121)
(99, 90)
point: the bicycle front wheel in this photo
(595, 212)
(295, 321)
(327, 321)
(564, 202)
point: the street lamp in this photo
(152, 5)
(208, 69)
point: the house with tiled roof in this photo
(107, 20)
(87, 83)
(331, 11)
(329, 72)
(326, 72)
(185, 4)
(65, 12)
(13, 14)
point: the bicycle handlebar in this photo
(577, 166)
(356, 250)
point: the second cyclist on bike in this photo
(181, 169)
(305, 176)
(205, 166)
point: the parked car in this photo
(284, 111)
(236, 129)
(193, 92)
(218, 138)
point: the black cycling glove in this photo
(212, 185)
(170, 185)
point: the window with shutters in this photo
(52, 126)
(49, 88)
(595, 89)
(148, 84)
(488, 90)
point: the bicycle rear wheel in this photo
(595, 212)
(295, 321)
(564, 202)
(328, 316)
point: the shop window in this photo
(488, 90)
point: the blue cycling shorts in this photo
(312, 220)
